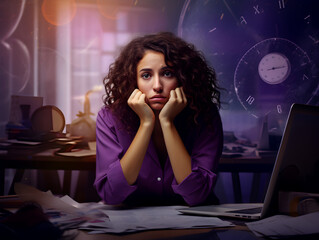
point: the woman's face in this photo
(155, 79)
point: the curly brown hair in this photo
(197, 78)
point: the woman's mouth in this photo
(157, 98)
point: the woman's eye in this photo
(168, 74)
(146, 75)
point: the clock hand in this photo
(274, 68)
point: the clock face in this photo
(265, 53)
(272, 75)
(274, 68)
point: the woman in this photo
(159, 136)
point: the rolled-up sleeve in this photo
(110, 182)
(205, 155)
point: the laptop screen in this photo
(297, 165)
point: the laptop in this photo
(296, 168)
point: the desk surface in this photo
(45, 159)
(13, 203)
(178, 234)
(239, 230)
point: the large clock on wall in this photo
(265, 52)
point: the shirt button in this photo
(159, 179)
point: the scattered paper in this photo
(66, 213)
(283, 225)
(150, 218)
(45, 199)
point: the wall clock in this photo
(265, 53)
(272, 75)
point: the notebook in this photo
(296, 168)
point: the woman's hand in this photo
(132, 160)
(137, 102)
(176, 103)
(178, 155)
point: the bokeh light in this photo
(110, 8)
(58, 12)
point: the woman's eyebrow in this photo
(150, 69)
(145, 70)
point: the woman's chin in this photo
(157, 106)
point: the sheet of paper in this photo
(149, 218)
(45, 199)
(282, 225)
(78, 153)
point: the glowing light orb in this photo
(58, 12)
(110, 8)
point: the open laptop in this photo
(296, 168)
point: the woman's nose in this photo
(157, 84)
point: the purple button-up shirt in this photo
(156, 184)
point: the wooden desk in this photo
(13, 203)
(49, 161)
(44, 159)
(178, 234)
(239, 230)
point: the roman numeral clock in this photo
(265, 52)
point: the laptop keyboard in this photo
(248, 210)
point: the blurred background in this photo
(61, 49)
